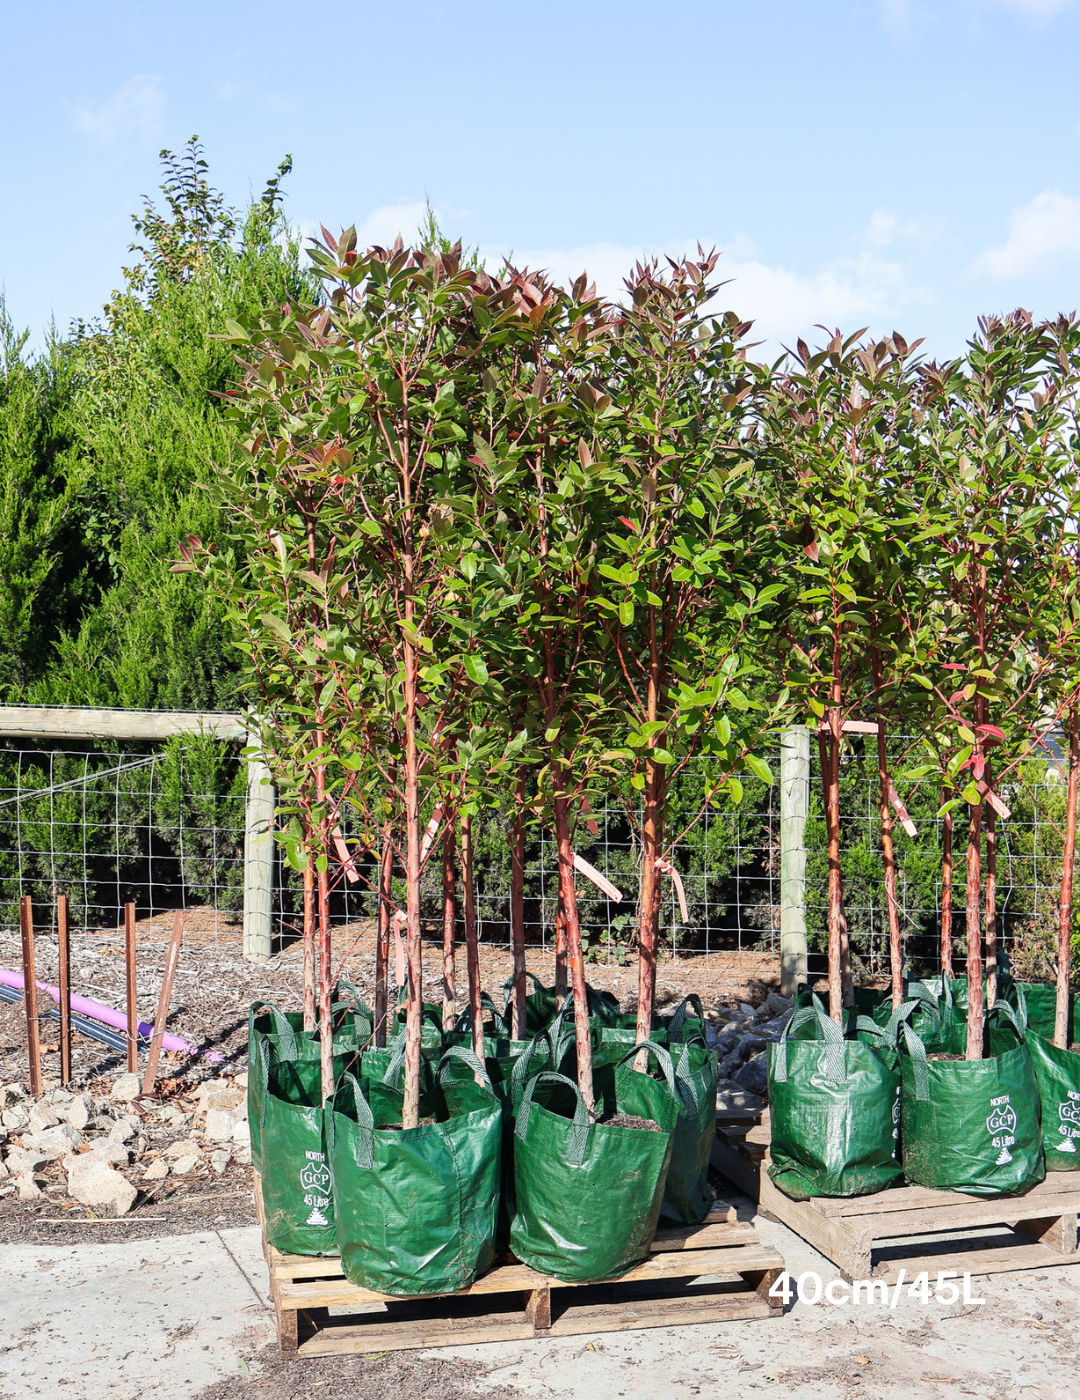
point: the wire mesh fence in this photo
(164, 827)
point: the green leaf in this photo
(275, 625)
(476, 670)
(971, 794)
(760, 768)
(735, 788)
(626, 613)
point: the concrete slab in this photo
(154, 1319)
(163, 1319)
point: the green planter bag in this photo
(588, 1194)
(541, 1007)
(416, 1210)
(298, 1200)
(687, 1194)
(1057, 1073)
(973, 1125)
(833, 1109)
(1040, 1005)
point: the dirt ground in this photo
(393, 1376)
(214, 988)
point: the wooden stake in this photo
(162, 1016)
(65, 987)
(33, 1040)
(132, 1010)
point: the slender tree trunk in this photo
(828, 746)
(651, 837)
(472, 949)
(573, 937)
(449, 1006)
(410, 1115)
(974, 932)
(326, 1025)
(895, 953)
(517, 910)
(946, 891)
(1064, 958)
(310, 959)
(991, 895)
(382, 937)
(560, 949)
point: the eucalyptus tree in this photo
(837, 429)
(683, 574)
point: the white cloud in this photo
(1038, 10)
(865, 289)
(383, 225)
(901, 18)
(137, 106)
(1045, 229)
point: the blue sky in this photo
(891, 163)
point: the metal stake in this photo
(132, 1012)
(33, 1040)
(65, 987)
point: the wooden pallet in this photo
(909, 1227)
(740, 1147)
(714, 1272)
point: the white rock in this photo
(94, 1183)
(157, 1169)
(113, 1152)
(42, 1117)
(29, 1190)
(242, 1133)
(183, 1165)
(219, 1125)
(183, 1149)
(53, 1142)
(14, 1118)
(219, 1161)
(242, 1156)
(77, 1112)
(58, 1096)
(3, 1170)
(24, 1161)
(242, 1080)
(208, 1087)
(123, 1129)
(126, 1088)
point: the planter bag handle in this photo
(365, 1123)
(924, 997)
(508, 987)
(397, 1063)
(1016, 1015)
(354, 1005)
(889, 1033)
(464, 1020)
(659, 1054)
(831, 1034)
(579, 1131)
(520, 1072)
(677, 1023)
(281, 1028)
(683, 1078)
(468, 1057)
(917, 1052)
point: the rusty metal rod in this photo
(132, 1011)
(33, 1039)
(163, 1002)
(64, 952)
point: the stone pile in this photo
(741, 1036)
(100, 1149)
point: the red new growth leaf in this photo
(991, 734)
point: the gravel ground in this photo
(393, 1376)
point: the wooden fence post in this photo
(33, 1038)
(64, 953)
(258, 862)
(794, 800)
(132, 1004)
(162, 1016)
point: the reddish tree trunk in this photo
(946, 891)
(410, 1115)
(974, 952)
(448, 994)
(472, 950)
(991, 898)
(560, 949)
(828, 746)
(1064, 958)
(310, 959)
(382, 938)
(573, 941)
(517, 910)
(326, 1025)
(650, 880)
(895, 953)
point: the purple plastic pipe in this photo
(85, 1007)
